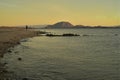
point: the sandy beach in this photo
(10, 36)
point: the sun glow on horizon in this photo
(85, 12)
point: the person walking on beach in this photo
(26, 27)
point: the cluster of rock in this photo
(49, 34)
(63, 35)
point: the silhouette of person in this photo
(26, 27)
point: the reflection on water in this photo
(93, 57)
(4, 73)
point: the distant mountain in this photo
(82, 26)
(60, 25)
(68, 25)
(117, 26)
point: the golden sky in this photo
(84, 12)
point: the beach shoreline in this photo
(11, 36)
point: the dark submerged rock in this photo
(63, 35)
(116, 34)
(9, 51)
(16, 52)
(70, 34)
(19, 59)
(25, 79)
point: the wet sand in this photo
(10, 36)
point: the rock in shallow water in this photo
(25, 79)
(19, 59)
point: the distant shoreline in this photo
(11, 36)
(68, 25)
(84, 28)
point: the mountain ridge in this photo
(64, 24)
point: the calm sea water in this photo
(93, 57)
